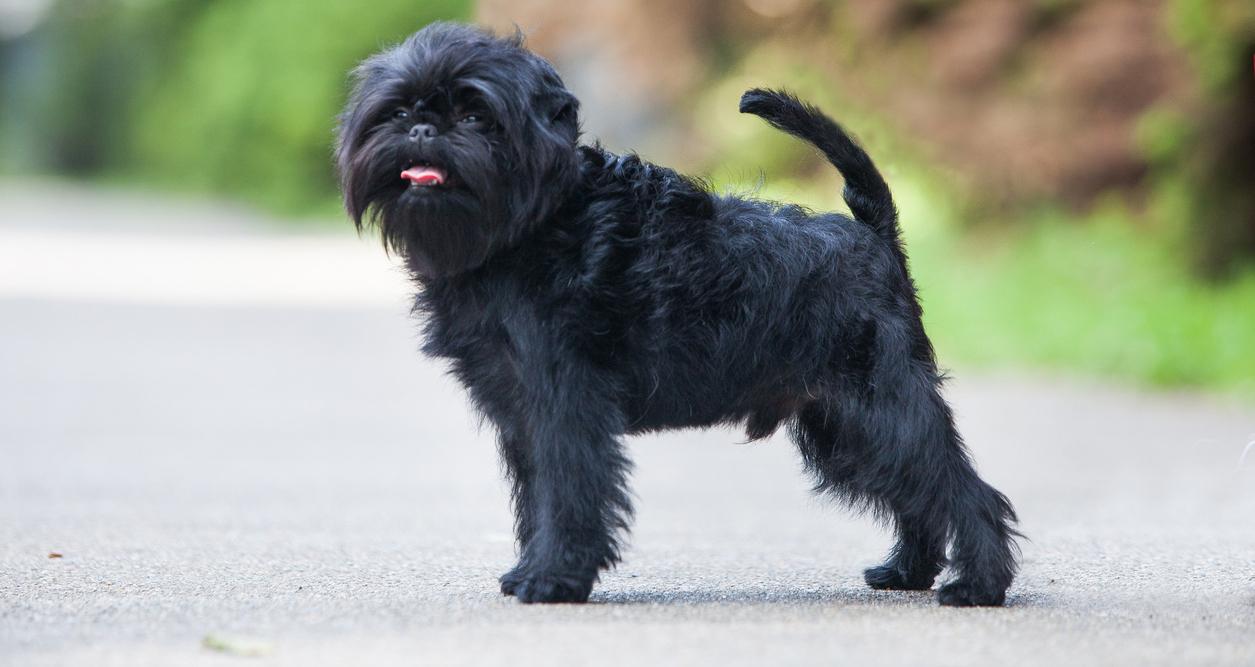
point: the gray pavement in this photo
(221, 442)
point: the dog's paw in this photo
(510, 581)
(531, 588)
(966, 594)
(887, 578)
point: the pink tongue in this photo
(424, 175)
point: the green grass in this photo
(1092, 295)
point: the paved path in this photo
(226, 433)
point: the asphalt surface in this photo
(226, 434)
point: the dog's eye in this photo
(400, 114)
(469, 119)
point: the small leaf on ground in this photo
(241, 646)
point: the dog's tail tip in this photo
(767, 103)
(757, 100)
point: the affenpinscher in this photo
(582, 295)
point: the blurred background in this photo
(1077, 179)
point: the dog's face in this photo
(456, 143)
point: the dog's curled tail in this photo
(865, 193)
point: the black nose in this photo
(423, 131)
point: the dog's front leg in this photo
(516, 454)
(576, 480)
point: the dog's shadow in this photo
(763, 596)
(823, 597)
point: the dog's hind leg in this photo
(923, 471)
(983, 554)
(835, 449)
(916, 558)
(895, 449)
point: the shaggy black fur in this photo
(582, 296)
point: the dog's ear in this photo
(563, 107)
(564, 113)
(559, 106)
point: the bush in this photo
(234, 96)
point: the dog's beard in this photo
(439, 233)
(441, 229)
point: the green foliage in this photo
(233, 96)
(79, 78)
(1162, 134)
(1212, 162)
(249, 103)
(1216, 32)
(1104, 297)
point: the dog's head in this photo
(456, 143)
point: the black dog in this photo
(583, 295)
